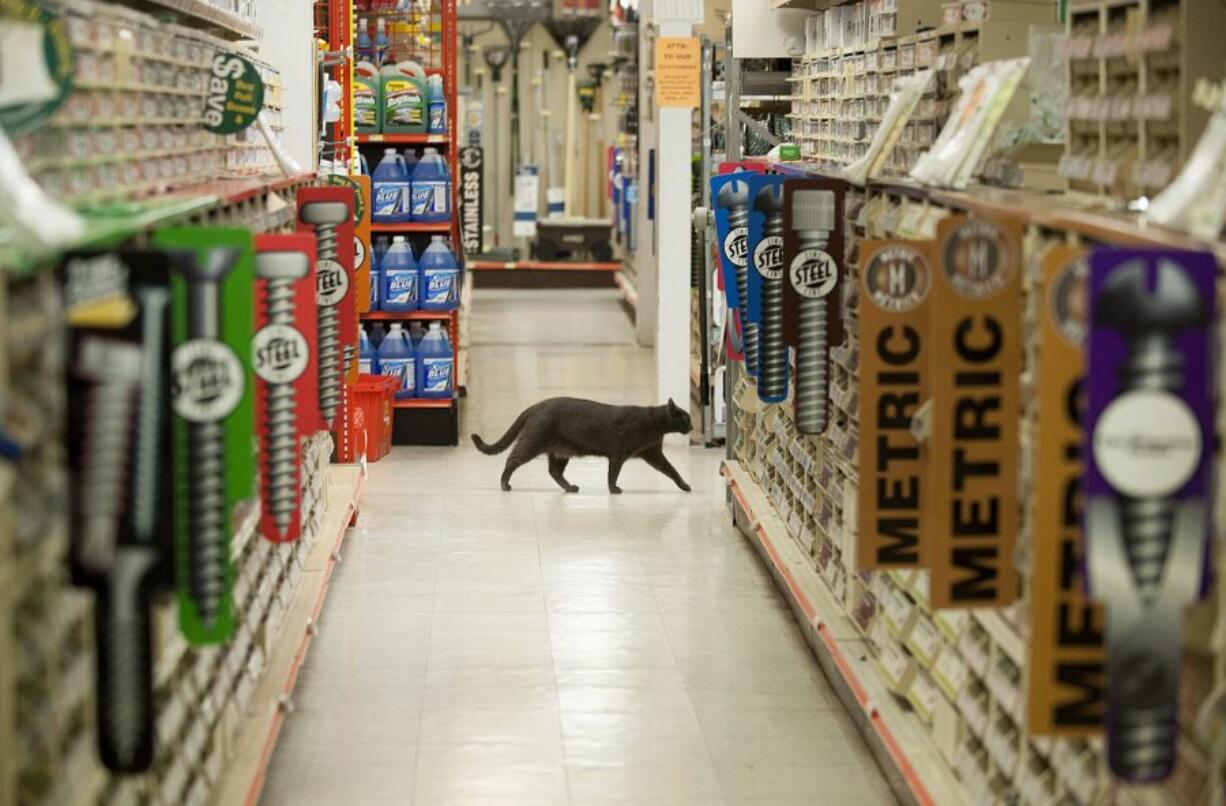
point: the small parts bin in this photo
(371, 415)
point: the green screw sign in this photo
(236, 94)
(37, 50)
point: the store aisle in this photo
(486, 648)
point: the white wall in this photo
(289, 45)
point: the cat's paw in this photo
(506, 488)
(615, 490)
(574, 488)
(684, 486)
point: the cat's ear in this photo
(671, 405)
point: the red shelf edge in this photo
(410, 139)
(538, 265)
(399, 316)
(423, 403)
(411, 226)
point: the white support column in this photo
(289, 46)
(673, 211)
(645, 264)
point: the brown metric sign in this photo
(975, 364)
(896, 281)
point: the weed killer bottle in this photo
(398, 360)
(401, 287)
(440, 277)
(435, 364)
(391, 189)
(431, 189)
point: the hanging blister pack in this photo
(1148, 484)
(118, 310)
(213, 406)
(812, 291)
(730, 193)
(765, 285)
(286, 392)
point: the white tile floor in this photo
(534, 647)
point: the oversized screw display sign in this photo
(1149, 421)
(765, 285)
(813, 316)
(118, 312)
(327, 212)
(731, 194)
(286, 389)
(212, 401)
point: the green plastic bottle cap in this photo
(789, 152)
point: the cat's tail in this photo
(507, 438)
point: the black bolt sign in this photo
(472, 186)
(118, 313)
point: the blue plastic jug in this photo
(431, 188)
(438, 106)
(435, 364)
(417, 332)
(440, 277)
(391, 189)
(377, 333)
(401, 281)
(397, 359)
(368, 359)
(376, 280)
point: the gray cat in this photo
(566, 427)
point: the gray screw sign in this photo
(326, 217)
(812, 221)
(1146, 553)
(734, 197)
(772, 368)
(280, 270)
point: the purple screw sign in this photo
(1149, 431)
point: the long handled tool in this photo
(572, 32)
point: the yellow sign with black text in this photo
(896, 281)
(678, 71)
(975, 363)
(1065, 695)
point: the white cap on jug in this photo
(397, 239)
(387, 152)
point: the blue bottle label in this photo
(438, 118)
(401, 287)
(429, 198)
(401, 368)
(439, 285)
(389, 198)
(436, 375)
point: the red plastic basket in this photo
(371, 415)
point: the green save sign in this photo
(235, 96)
